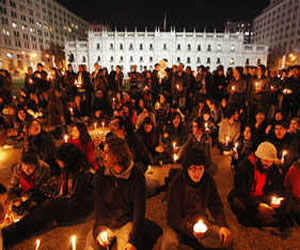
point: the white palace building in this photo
(112, 48)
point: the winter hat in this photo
(266, 151)
(193, 156)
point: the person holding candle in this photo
(189, 195)
(256, 179)
(72, 199)
(31, 183)
(119, 193)
(40, 78)
(229, 131)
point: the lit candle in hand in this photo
(233, 88)
(235, 147)
(95, 125)
(175, 157)
(66, 137)
(73, 242)
(284, 153)
(103, 239)
(103, 124)
(227, 140)
(174, 145)
(276, 201)
(149, 170)
(37, 244)
(200, 228)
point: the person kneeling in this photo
(191, 192)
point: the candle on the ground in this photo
(73, 242)
(37, 244)
(200, 227)
(276, 201)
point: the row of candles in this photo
(258, 88)
(73, 240)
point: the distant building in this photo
(278, 26)
(144, 49)
(240, 27)
(28, 27)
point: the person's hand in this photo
(159, 149)
(268, 129)
(265, 210)
(103, 237)
(17, 203)
(166, 135)
(199, 236)
(225, 236)
(129, 246)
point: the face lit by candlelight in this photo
(247, 133)
(176, 121)
(148, 128)
(35, 128)
(280, 131)
(28, 169)
(75, 133)
(196, 172)
(206, 116)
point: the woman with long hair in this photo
(81, 138)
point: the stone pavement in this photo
(244, 238)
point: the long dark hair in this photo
(85, 137)
(73, 158)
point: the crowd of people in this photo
(251, 114)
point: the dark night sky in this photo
(197, 13)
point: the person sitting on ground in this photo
(243, 148)
(31, 183)
(81, 138)
(229, 132)
(119, 193)
(189, 195)
(256, 180)
(72, 200)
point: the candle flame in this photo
(174, 144)
(37, 244)
(73, 241)
(276, 201)
(200, 227)
(103, 124)
(104, 237)
(175, 157)
(66, 137)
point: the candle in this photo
(30, 81)
(103, 124)
(235, 147)
(174, 145)
(256, 85)
(66, 137)
(206, 126)
(177, 86)
(95, 125)
(272, 88)
(37, 244)
(175, 157)
(104, 238)
(233, 88)
(71, 110)
(149, 170)
(200, 227)
(38, 76)
(227, 140)
(276, 201)
(114, 99)
(73, 242)
(284, 153)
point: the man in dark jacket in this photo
(119, 194)
(256, 180)
(190, 194)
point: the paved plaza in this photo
(244, 238)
